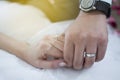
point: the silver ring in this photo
(90, 55)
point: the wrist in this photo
(92, 14)
(91, 6)
(23, 50)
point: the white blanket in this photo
(12, 68)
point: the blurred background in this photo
(116, 14)
(57, 10)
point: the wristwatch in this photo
(90, 5)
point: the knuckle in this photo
(103, 39)
(82, 36)
(93, 36)
(76, 36)
(72, 35)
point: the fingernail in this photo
(62, 64)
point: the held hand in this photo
(88, 33)
(47, 54)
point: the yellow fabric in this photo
(56, 10)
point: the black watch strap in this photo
(103, 7)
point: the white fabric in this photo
(108, 1)
(12, 68)
(22, 20)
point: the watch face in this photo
(87, 3)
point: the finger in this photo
(46, 49)
(57, 44)
(91, 48)
(54, 52)
(53, 40)
(68, 52)
(102, 46)
(79, 55)
(50, 64)
(61, 37)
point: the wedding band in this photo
(90, 55)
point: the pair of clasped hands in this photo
(88, 33)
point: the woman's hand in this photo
(48, 53)
(39, 55)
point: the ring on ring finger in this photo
(89, 59)
(90, 55)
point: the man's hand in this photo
(88, 33)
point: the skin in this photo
(68, 48)
(36, 55)
(88, 33)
